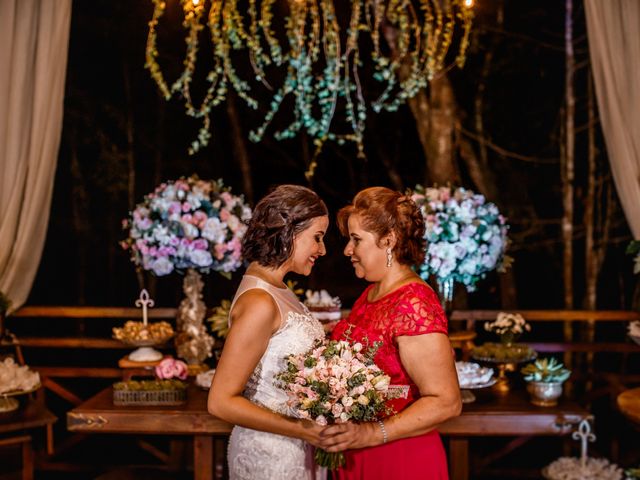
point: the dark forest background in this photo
(507, 130)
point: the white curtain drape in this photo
(34, 37)
(613, 28)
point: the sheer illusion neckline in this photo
(392, 292)
(283, 288)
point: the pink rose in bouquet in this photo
(171, 368)
(335, 382)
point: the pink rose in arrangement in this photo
(335, 382)
(197, 215)
(169, 368)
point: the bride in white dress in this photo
(268, 322)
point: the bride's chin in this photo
(305, 270)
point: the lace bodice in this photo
(413, 309)
(297, 333)
(255, 455)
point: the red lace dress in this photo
(412, 309)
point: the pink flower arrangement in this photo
(169, 368)
(335, 382)
(187, 223)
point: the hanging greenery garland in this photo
(407, 42)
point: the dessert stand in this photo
(145, 351)
(8, 402)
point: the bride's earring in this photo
(389, 257)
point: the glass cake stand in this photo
(505, 363)
(145, 351)
(468, 396)
(8, 402)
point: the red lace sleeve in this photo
(418, 312)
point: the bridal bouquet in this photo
(335, 382)
(466, 236)
(187, 223)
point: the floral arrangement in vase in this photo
(466, 236)
(508, 326)
(186, 224)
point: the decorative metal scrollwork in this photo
(82, 421)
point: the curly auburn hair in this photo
(382, 211)
(276, 220)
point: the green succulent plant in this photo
(545, 370)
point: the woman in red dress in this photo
(385, 230)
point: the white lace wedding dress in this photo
(255, 455)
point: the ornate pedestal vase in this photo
(193, 343)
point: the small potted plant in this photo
(544, 379)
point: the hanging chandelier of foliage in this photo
(404, 43)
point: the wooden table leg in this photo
(50, 439)
(203, 457)
(27, 460)
(459, 458)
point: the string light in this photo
(319, 66)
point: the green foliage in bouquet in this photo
(150, 385)
(547, 370)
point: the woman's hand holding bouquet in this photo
(335, 382)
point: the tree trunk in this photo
(240, 148)
(80, 220)
(131, 162)
(568, 159)
(486, 181)
(567, 175)
(435, 117)
(591, 271)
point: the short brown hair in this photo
(275, 221)
(383, 210)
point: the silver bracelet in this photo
(384, 431)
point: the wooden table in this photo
(99, 415)
(14, 427)
(629, 404)
(511, 414)
(506, 415)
